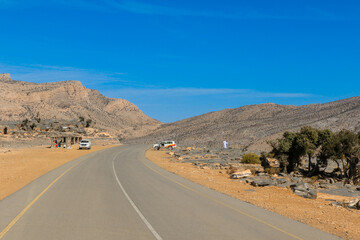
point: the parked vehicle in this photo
(85, 143)
(165, 144)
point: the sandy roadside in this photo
(317, 213)
(21, 166)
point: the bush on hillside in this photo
(250, 158)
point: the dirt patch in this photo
(317, 213)
(18, 167)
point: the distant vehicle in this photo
(165, 144)
(85, 143)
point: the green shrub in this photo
(251, 158)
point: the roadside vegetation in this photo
(319, 147)
(250, 158)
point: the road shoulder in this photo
(317, 213)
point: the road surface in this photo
(118, 194)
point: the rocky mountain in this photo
(252, 126)
(70, 100)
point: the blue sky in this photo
(177, 59)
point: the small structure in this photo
(64, 139)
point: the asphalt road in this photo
(118, 194)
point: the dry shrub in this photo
(251, 158)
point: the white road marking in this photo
(152, 230)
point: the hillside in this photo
(251, 126)
(69, 100)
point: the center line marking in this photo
(152, 230)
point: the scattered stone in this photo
(295, 179)
(262, 174)
(304, 190)
(354, 204)
(242, 174)
(281, 180)
(263, 183)
(250, 190)
(331, 181)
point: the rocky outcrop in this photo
(304, 190)
(5, 77)
(70, 100)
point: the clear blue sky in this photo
(177, 59)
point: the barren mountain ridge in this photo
(252, 126)
(69, 100)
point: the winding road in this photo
(118, 194)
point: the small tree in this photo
(307, 143)
(25, 124)
(326, 149)
(88, 123)
(32, 126)
(347, 149)
(286, 151)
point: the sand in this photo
(18, 167)
(318, 213)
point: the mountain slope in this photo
(251, 126)
(70, 100)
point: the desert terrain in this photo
(319, 213)
(252, 126)
(19, 167)
(34, 115)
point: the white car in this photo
(165, 144)
(85, 143)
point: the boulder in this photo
(273, 162)
(262, 174)
(355, 204)
(263, 183)
(304, 190)
(242, 174)
(331, 180)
